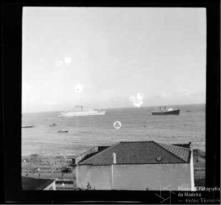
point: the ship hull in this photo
(28, 126)
(81, 114)
(172, 112)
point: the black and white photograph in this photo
(113, 98)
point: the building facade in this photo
(137, 166)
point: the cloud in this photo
(137, 100)
(65, 61)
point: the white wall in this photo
(152, 177)
(99, 177)
(135, 177)
(193, 188)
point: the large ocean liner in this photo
(79, 110)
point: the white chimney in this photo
(112, 169)
(114, 158)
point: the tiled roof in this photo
(181, 152)
(29, 183)
(146, 152)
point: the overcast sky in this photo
(112, 57)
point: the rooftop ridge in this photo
(177, 144)
(178, 157)
(101, 152)
(136, 141)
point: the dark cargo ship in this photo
(169, 111)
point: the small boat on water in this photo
(27, 126)
(62, 131)
(167, 111)
(52, 125)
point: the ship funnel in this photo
(114, 158)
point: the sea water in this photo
(137, 124)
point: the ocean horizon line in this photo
(118, 108)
